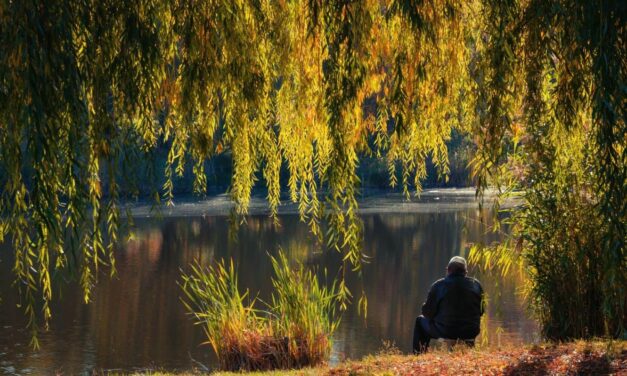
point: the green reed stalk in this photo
(212, 296)
(292, 331)
(304, 311)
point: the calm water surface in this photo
(136, 320)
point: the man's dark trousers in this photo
(423, 333)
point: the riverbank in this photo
(576, 358)
(370, 201)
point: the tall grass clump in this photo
(574, 282)
(569, 231)
(292, 330)
(228, 317)
(304, 312)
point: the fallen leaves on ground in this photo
(580, 358)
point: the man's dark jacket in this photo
(454, 306)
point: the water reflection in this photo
(136, 320)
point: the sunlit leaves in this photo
(549, 126)
(310, 86)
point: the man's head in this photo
(457, 265)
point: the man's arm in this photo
(430, 306)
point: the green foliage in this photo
(554, 128)
(566, 258)
(303, 307)
(292, 331)
(88, 87)
(213, 297)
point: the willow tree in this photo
(554, 126)
(88, 86)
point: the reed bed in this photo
(292, 330)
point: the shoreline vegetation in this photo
(293, 329)
(595, 357)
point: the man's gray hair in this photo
(457, 265)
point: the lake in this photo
(136, 320)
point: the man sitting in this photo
(453, 308)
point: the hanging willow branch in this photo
(87, 87)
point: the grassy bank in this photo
(578, 358)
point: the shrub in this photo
(574, 283)
(293, 330)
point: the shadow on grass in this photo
(539, 363)
(530, 365)
(594, 364)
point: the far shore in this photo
(370, 201)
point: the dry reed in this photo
(293, 331)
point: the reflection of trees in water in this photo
(146, 294)
(140, 309)
(506, 309)
(409, 252)
(207, 239)
(137, 318)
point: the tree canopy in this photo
(87, 87)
